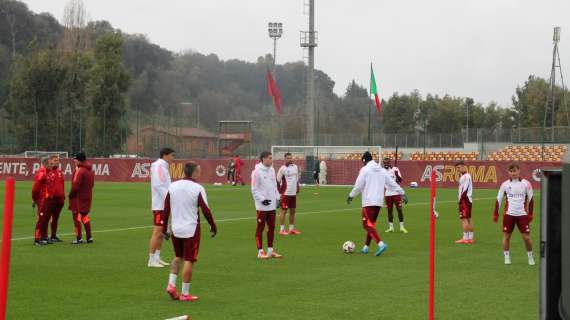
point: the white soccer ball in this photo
(348, 247)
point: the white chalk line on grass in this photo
(252, 218)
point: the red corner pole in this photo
(6, 244)
(432, 246)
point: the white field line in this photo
(252, 218)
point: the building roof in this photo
(182, 132)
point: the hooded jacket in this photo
(264, 187)
(81, 192)
(371, 182)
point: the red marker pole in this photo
(432, 246)
(6, 244)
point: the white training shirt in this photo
(159, 183)
(185, 197)
(288, 177)
(323, 167)
(394, 173)
(518, 192)
(371, 182)
(264, 187)
(466, 187)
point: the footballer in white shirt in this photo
(184, 200)
(288, 185)
(159, 183)
(393, 198)
(465, 201)
(518, 210)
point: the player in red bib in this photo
(392, 197)
(518, 211)
(80, 197)
(288, 184)
(465, 203)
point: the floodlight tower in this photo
(309, 41)
(275, 32)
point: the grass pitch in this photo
(316, 280)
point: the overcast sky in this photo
(476, 48)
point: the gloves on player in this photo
(166, 235)
(349, 200)
(405, 198)
(266, 202)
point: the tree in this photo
(108, 85)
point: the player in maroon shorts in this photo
(518, 211)
(184, 199)
(465, 203)
(393, 198)
(288, 185)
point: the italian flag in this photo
(374, 90)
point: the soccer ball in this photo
(348, 247)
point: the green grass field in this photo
(109, 278)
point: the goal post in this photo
(312, 155)
(41, 154)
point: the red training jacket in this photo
(81, 192)
(57, 185)
(40, 187)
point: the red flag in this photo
(273, 91)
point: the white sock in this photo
(157, 255)
(506, 253)
(465, 235)
(470, 235)
(269, 251)
(151, 257)
(391, 225)
(282, 227)
(529, 253)
(380, 243)
(172, 279)
(260, 251)
(291, 227)
(185, 288)
(401, 225)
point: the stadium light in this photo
(275, 30)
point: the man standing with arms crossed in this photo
(371, 182)
(159, 183)
(288, 181)
(185, 197)
(266, 198)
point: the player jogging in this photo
(465, 203)
(159, 183)
(266, 198)
(393, 198)
(80, 197)
(185, 197)
(518, 211)
(288, 182)
(371, 182)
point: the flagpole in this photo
(370, 106)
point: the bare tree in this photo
(75, 19)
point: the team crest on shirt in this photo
(220, 170)
(536, 175)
